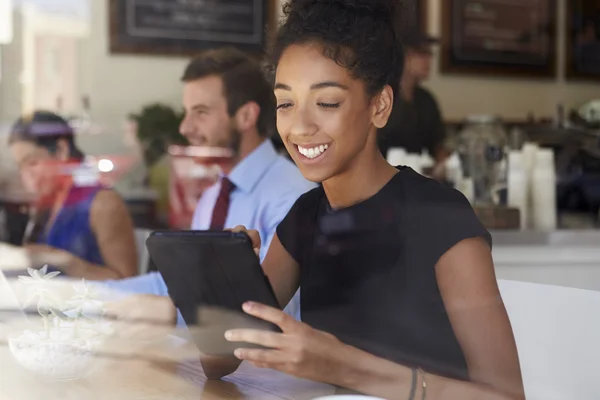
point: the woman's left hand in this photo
(300, 350)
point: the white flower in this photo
(84, 302)
(85, 291)
(38, 276)
(38, 285)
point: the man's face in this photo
(207, 121)
(418, 63)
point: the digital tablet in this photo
(209, 276)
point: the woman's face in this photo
(38, 168)
(324, 116)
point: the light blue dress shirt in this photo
(266, 186)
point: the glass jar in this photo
(482, 148)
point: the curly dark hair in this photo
(363, 36)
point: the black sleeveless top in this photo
(368, 271)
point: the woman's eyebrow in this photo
(315, 86)
(328, 84)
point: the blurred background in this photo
(511, 75)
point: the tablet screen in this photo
(209, 269)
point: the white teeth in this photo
(313, 152)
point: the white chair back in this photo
(557, 331)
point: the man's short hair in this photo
(244, 81)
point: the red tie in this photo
(222, 205)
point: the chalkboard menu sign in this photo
(185, 27)
(583, 39)
(499, 37)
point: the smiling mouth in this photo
(312, 152)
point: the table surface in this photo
(164, 367)
(130, 377)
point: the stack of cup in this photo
(396, 156)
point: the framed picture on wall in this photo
(167, 27)
(583, 39)
(417, 15)
(499, 37)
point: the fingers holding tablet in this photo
(252, 234)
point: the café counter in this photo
(569, 258)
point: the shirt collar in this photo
(248, 172)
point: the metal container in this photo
(482, 146)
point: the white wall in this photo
(11, 95)
(121, 84)
(12, 65)
(508, 97)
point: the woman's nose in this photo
(302, 123)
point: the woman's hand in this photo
(13, 258)
(41, 254)
(300, 350)
(143, 316)
(252, 234)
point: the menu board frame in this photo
(422, 13)
(572, 70)
(121, 43)
(449, 64)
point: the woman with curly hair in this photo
(398, 293)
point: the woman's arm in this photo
(371, 375)
(467, 283)
(113, 228)
(307, 353)
(282, 270)
(469, 291)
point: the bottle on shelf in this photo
(543, 189)
(518, 186)
(454, 172)
(529, 152)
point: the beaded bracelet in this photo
(413, 385)
(423, 384)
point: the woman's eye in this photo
(283, 106)
(328, 105)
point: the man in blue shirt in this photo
(229, 103)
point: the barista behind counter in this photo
(415, 123)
